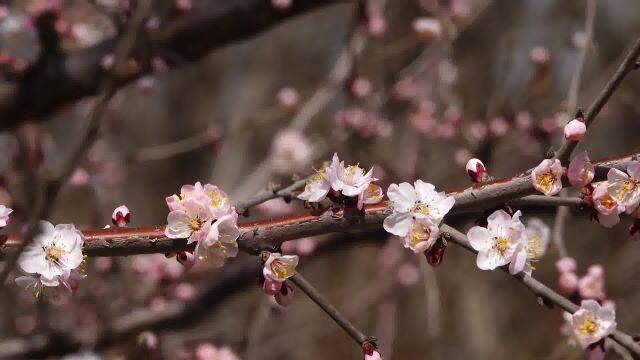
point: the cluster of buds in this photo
(277, 269)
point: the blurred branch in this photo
(51, 188)
(539, 289)
(164, 151)
(625, 67)
(574, 88)
(269, 234)
(54, 81)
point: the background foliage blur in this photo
(491, 82)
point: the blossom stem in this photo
(326, 306)
(540, 289)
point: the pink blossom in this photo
(476, 170)
(281, 4)
(549, 124)
(447, 71)
(447, 131)
(462, 156)
(524, 121)
(185, 292)
(539, 55)
(288, 98)
(566, 264)
(370, 352)
(361, 87)
(422, 123)
(575, 130)
(407, 274)
(4, 215)
(406, 88)
(121, 216)
(608, 209)
(478, 130)
(290, 151)
(285, 296)
(184, 5)
(581, 171)
(547, 177)
(568, 283)
(186, 258)
(498, 126)
(80, 177)
(625, 187)
(591, 286)
(460, 9)
(271, 287)
(592, 322)
(428, 28)
(377, 25)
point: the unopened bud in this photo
(121, 216)
(566, 264)
(476, 170)
(285, 296)
(148, 340)
(186, 258)
(370, 351)
(435, 254)
(271, 287)
(568, 283)
(428, 28)
(575, 130)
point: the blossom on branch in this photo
(280, 267)
(580, 171)
(342, 182)
(4, 215)
(608, 210)
(592, 322)
(52, 257)
(547, 177)
(204, 215)
(534, 242)
(498, 243)
(625, 187)
(121, 216)
(411, 202)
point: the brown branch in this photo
(269, 234)
(54, 81)
(48, 194)
(285, 193)
(541, 200)
(540, 289)
(326, 306)
(234, 277)
(625, 67)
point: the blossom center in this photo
(589, 325)
(196, 224)
(283, 269)
(53, 253)
(500, 245)
(420, 208)
(625, 188)
(607, 201)
(217, 199)
(419, 233)
(546, 179)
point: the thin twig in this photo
(540, 290)
(574, 88)
(48, 193)
(541, 200)
(286, 193)
(325, 305)
(605, 94)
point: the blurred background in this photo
(414, 88)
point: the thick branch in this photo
(55, 80)
(540, 289)
(268, 234)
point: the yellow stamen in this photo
(283, 269)
(589, 325)
(500, 245)
(546, 179)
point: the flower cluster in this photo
(277, 269)
(506, 240)
(417, 213)
(342, 183)
(593, 322)
(52, 258)
(204, 215)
